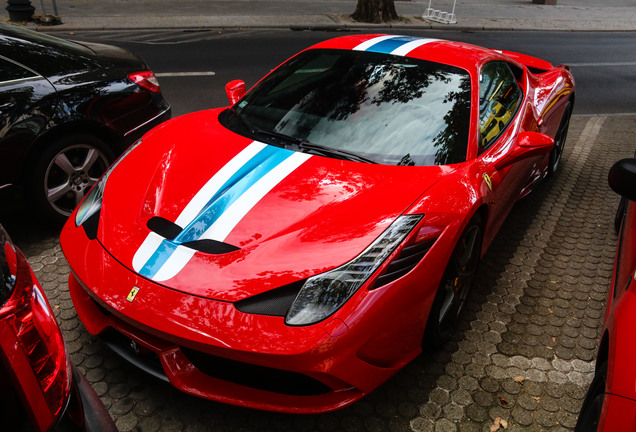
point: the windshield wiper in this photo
(330, 151)
(301, 144)
(259, 133)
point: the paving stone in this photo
(445, 425)
(127, 423)
(420, 424)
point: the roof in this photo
(463, 55)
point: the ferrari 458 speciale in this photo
(295, 250)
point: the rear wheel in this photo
(559, 140)
(456, 284)
(65, 171)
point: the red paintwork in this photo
(321, 216)
(619, 409)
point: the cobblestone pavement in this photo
(524, 351)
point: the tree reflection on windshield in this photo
(396, 110)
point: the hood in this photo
(202, 210)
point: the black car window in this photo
(391, 109)
(11, 72)
(499, 99)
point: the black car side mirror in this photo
(622, 178)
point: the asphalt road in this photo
(525, 347)
(604, 64)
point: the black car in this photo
(40, 390)
(67, 109)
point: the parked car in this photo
(67, 109)
(40, 390)
(610, 403)
(293, 251)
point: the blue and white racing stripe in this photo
(396, 45)
(218, 207)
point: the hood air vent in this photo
(170, 231)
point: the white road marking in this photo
(184, 74)
(602, 64)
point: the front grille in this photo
(145, 360)
(253, 376)
(404, 263)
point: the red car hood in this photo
(231, 217)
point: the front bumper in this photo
(210, 349)
(190, 366)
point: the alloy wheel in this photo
(71, 174)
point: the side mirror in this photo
(622, 178)
(235, 90)
(528, 144)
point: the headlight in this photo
(92, 202)
(323, 294)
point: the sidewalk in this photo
(567, 15)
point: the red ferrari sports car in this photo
(293, 251)
(610, 403)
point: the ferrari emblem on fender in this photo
(487, 180)
(132, 294)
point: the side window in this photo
(11, 72)
(499, 99)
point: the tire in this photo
(64, 172)
(620, 214)
(559, 140)
(593, 403)
(456, 285)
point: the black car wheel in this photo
(455, 285)
(65, 172)
(593, 404)
(559, 140)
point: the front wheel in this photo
(590, 415)
(64, 172)
(559, 140)
(456, 284)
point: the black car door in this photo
(27, 101)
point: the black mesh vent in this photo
(273, 303)
(170, 230)
(164, 227)
(404, 263)
(211, 246)
(258, 377)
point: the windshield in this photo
(390, 109)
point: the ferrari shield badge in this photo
(132, 294)
(487, 180)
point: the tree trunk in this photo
(375, 11)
